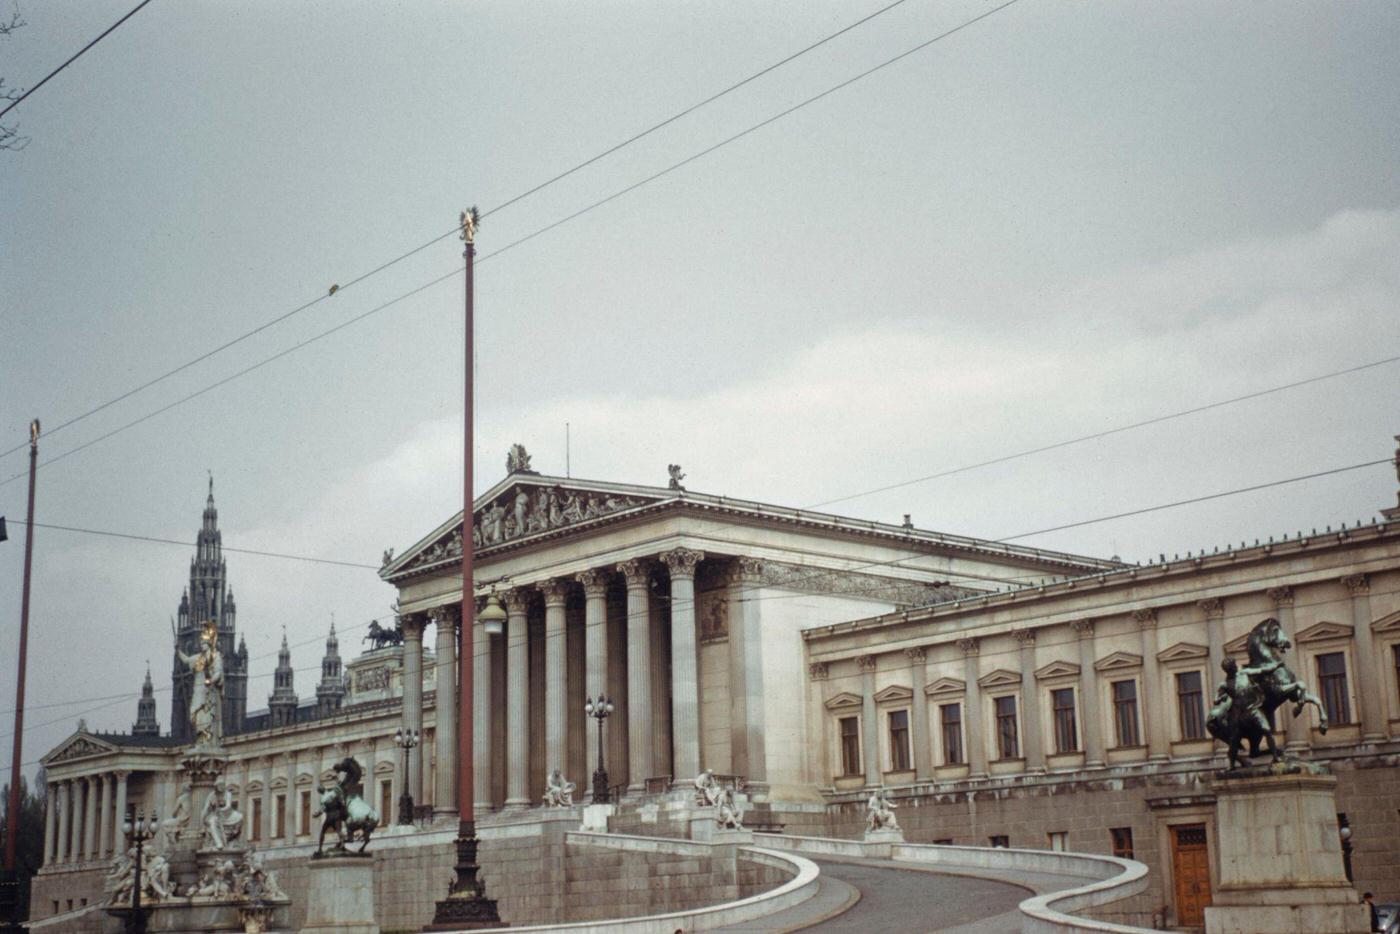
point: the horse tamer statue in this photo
(346, 812)
(1246, 700)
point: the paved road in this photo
(912, 900)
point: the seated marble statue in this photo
(122, 879)
(155, 875)
(729, 815)
(707, 789)
(258, 881)
(879, 812)
(173, 827)
(559, 791)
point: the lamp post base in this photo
(601, 792)
(466, 907)
(405, 808)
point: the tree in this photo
(9, 135)
(29, 854)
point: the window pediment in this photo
(1118, 661)
(1057, 669)
(895, 692)
(1183, 651)
(945, 686)
(1239, 646)
(384, 768)
(999, 678)
(844, 701)
(1389, 623)
(1321, 632)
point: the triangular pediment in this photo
(79, 746)
(1118, 661)
(1389, 623)
(1057, 669)
(520, 508)
(383, 768)
(1183, 651)
(843, 701)
(1319, 632)
(945, 686)
(999, 678)
(895, 692)
(1238, 646)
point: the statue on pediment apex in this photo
(676, 476)
(518, 460)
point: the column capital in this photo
(555, 591)
(1357, 584)
(817, 671)
(969, 646)
(915, 653)
(866, 663)
(412, 625)
(594, 581)
(748, 570)
(1211, 607)
(445, 616)
(517, 600)
(1146, 617)
(1282, 596)
(636, 571)
(1025, 637)
(682, 561)
(1083, 628)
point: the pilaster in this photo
(1150, 699)
(972, 709)
(1089, 694)
(1373, 726)
(870, 728)
(918, 713)
(1296, 728)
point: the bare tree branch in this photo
(9, 135)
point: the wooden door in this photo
(1191, 874)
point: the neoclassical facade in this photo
(1004, 695)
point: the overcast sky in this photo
(1064, 218)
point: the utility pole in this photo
(466, 906)
(9, 882)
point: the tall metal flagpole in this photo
(466, 907)
(11, 878)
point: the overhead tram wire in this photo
(74, 57)
(503, 205)
(597, 204)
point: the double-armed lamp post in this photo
(466, 906)
(405, 740)
(138, 829)
(599, 710)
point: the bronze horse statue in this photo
(380, 636)
(1247, 698)
(346, 812)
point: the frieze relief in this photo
(80, 748)
(873, 586)
(526, 510)
(372, 679)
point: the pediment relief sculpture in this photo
(1057, 669)
(1321, 632)
(1118, 661)
(999, 678)
(1183, 651)
(80, 748)
(843, 700)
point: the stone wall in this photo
(53, 893)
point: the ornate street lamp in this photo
(405, 740)
(599, 710)
(138, 830)
(493, 616)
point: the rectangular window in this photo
(850, 745)
(1332, 685)
(1059, 840)
(1122, 842)
(279, 816)
(305, 827)
(1190, 705)
(255, 832)
(899, 740)
(1062, 704)
(386, 801)
(1125, 715)
(1007, 745)
(1000, 840)
(950, 717)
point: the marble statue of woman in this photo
(207, 694)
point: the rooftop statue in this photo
(517, 460)
(1246, 700)
(207, 694)
(380, 636)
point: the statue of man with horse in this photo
(345, 810)
(1246, 700)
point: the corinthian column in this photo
(1150, 703)
(483, 647)
(747, 618)
(517, 700)
(556, 677)
(90, 818)
(870, 727)
(104, 820)
(1368, 690)
(1030, 703)
(685, 678)
(50, 819)
(1089, 694)
(972, 709)
(595, 651)
(918, 713)
(445, 710)
(640, 765)
(120, 815)
(64, 801)
(412, 627)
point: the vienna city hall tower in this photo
(208, 597)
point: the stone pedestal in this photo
(1280, 855)
(340, 896)
(595, 817)
(884, 836)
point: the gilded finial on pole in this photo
(34, 433)
(470, 218)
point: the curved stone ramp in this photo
(802, 887)
(1065, 882)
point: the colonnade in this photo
(84, 817)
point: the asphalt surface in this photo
(912, 900)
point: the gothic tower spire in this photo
(146, 723)
(282, 702)
(330, 693)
